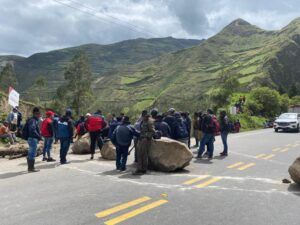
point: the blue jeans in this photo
(64, 148)
(47, 146)
(207, 139)
(32, 142)
(224, 136)
(122, 154)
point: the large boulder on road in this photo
(168, 155)
(82, 146)
(108, 151)
(294, 171)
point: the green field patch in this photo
(248, 70)
(213, 68)
(129, 80)
(248, 79)
(144, 104)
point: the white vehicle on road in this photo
(287, 121)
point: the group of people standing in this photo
(118, 129)
(206, 127)
(50, 129)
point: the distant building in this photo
(294, 109)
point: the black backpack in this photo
(25, 131)
(180, 129)
(82, 129)
(157, 135)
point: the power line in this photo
(115, 18)
(98, 17)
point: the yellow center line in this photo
(260, 156)
(246, 166)
(122, 207)
(192, 181)
(235, 165)
(276, 149)
(269, 156)
(285, 150)
(136, 212)
(211, 181)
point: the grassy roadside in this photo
(249, 123)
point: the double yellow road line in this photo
(265, 156)
(202, 178)
(281, 149)
(241, 166)
(286, 147)
(131, 214)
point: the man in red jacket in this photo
(94, 125)
(47, 131)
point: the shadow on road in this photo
(220, 157)
(12, 174)
(25, 163)
(109, 173)
(122, 175)
(47, 166)
(79, 161)
(295, 189)
(203, 161)
(130, 176)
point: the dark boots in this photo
(30, 163)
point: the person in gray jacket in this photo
(122, 138)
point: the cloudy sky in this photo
(30, 26)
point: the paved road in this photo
(242, 189)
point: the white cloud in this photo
(32, 26)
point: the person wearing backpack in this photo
(47, 131)
(225, 129)
(64, 132)
(181, 133)
(81, 126)
(122, 138)
(162, 126)
(196, 124)
(113, 124)
(31, 133)
(209, 128)
(188, 123)
(94, 125)
(170, 120)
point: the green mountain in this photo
(185, 78)
(103, 59)
(133, 75)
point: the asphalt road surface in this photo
(242, 189)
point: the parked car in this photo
(269, 124)
(287, 122)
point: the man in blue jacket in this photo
(33, 138)
(113, 124)
(64, 132)
(122, 138)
